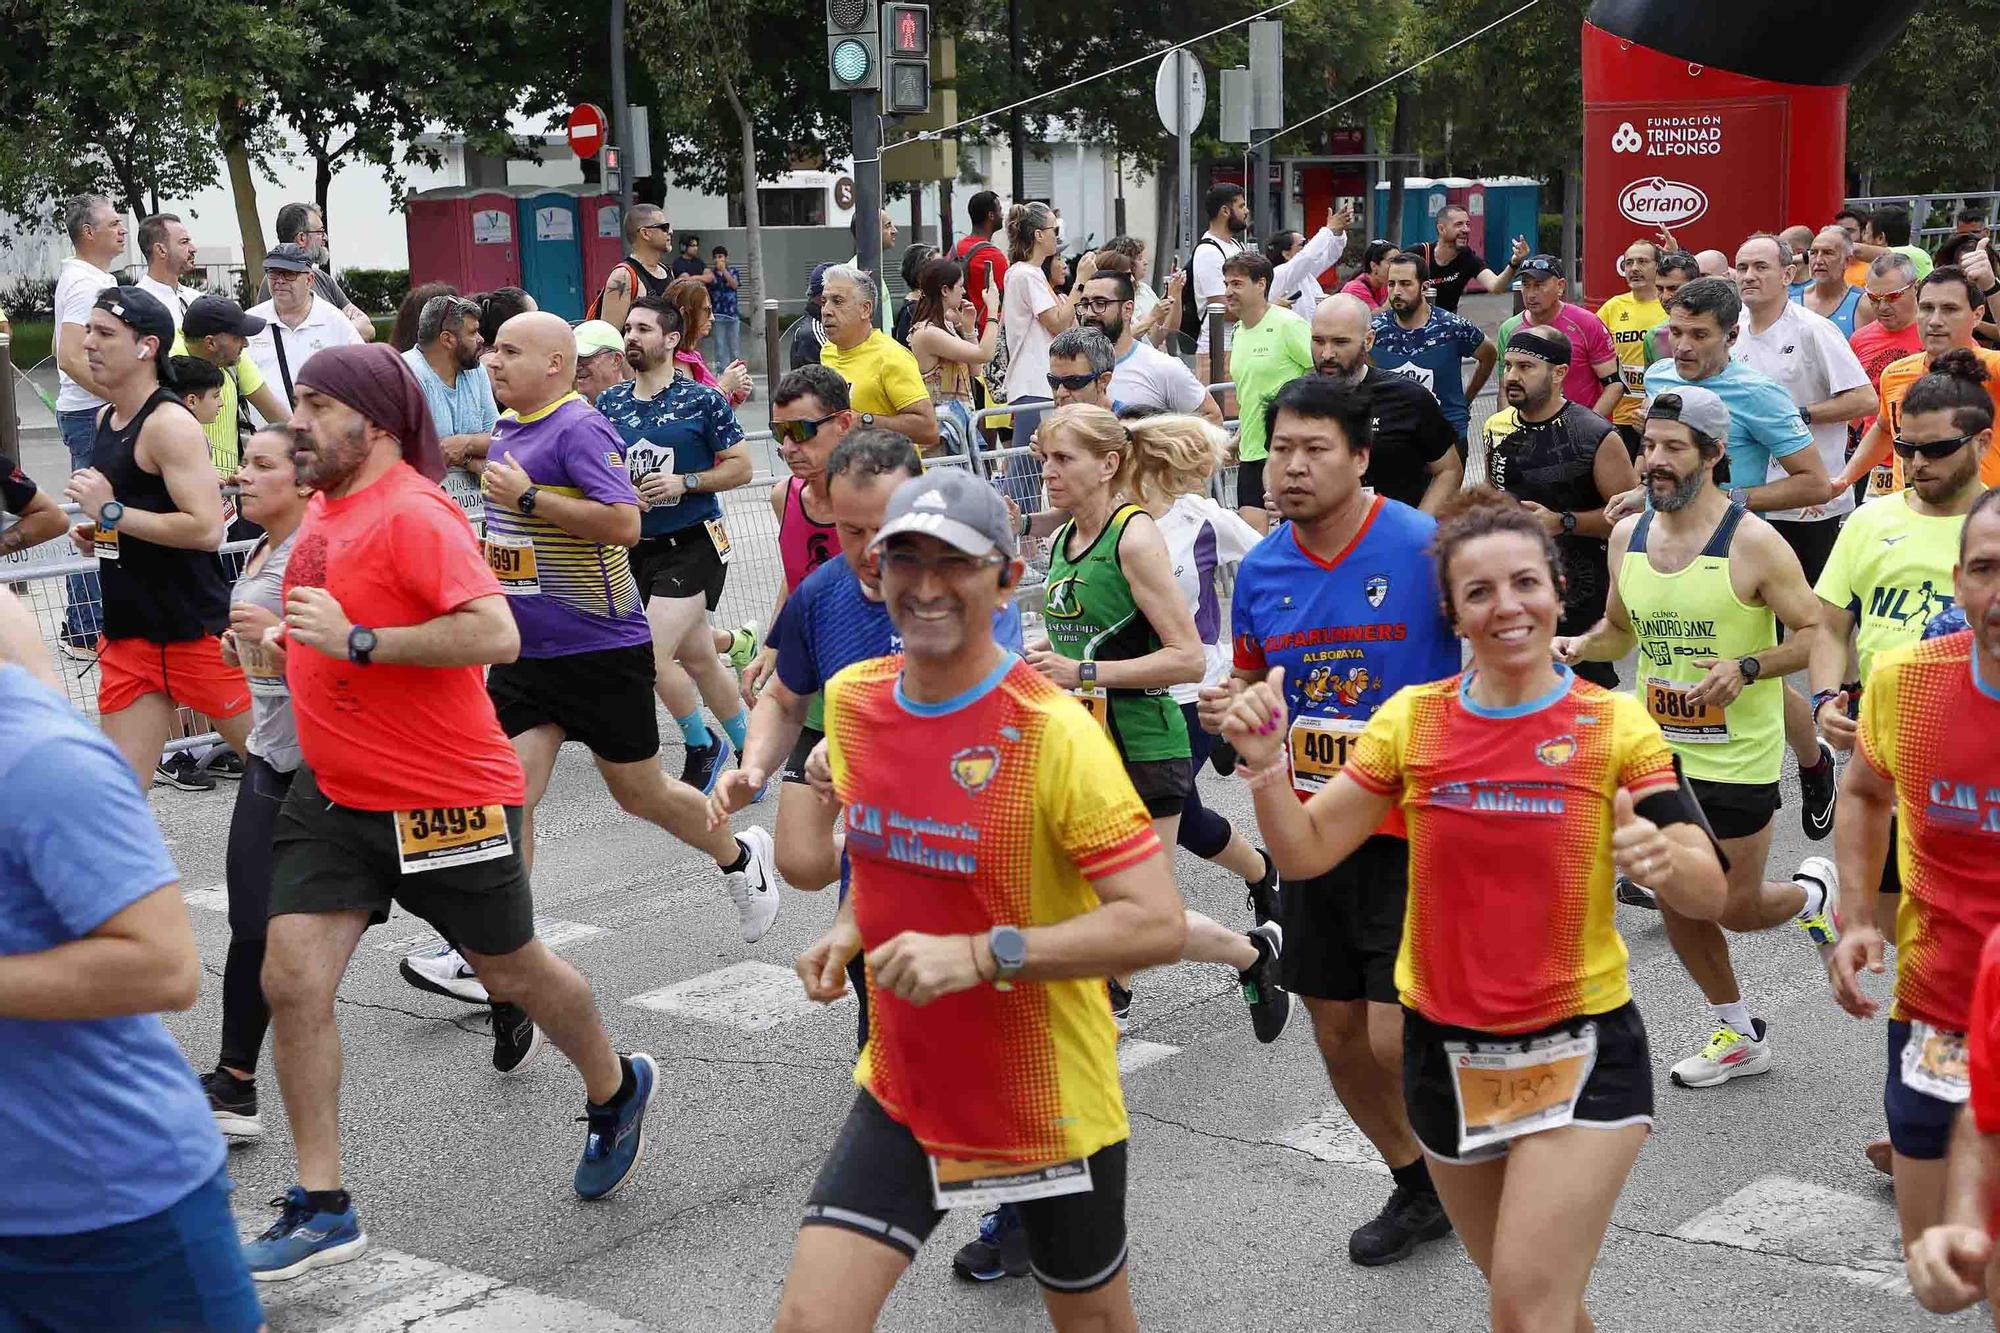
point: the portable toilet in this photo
(601, 232)
(1469, 195)
(1422, 198)
(496, 251)
(1513, 208)
(551, 256)
(465, 237)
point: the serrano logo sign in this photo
(1658, 202)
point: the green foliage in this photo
(1917, 116)
(376, 290)
(1532, 65)
(29, 298)
(32, 342)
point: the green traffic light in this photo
(850, 61)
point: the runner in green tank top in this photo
(1699, 585)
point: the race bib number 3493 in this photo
(453, 835)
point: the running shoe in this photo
(79, 652)
(1817, 789)
(1819, 927)
(442, 971)
(233, 1103)
(742, 646)
(516, 1039)
(616, 1139)
(1000, 1250)
(304, 1238)
(704, 766)
(1633, 894)
(224, 763)
(754, 888)
(1121, 1002)
(1727, 1054)
(180, 771)
(1270, 1004)
(1411, 1217)
(1263, 895)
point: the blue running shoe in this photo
(616, 1139)
(1000, 1250)
(704, 767)
(303, 1238)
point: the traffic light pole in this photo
(621, 113)
(868, 184)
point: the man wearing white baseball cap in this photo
(600, 358)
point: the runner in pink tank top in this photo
(804, 544)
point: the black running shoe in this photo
(1817, 790)
(1634, 895)
(233, 1102)
(1121, 1002)
(1263, 895)
(224, 763)
(182, 772)
(1270, 1004)
(1411, 1217)
(516, 1039)
(1001, 1249)
(705, 766)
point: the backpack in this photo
(1191, 308)
(597, 301)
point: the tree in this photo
(1914, 116)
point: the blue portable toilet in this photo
(552, 252)
(1422, 198)
(1513, 208)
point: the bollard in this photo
(774, 362)
(1218, 360)
(10, 425)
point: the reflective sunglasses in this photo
(798, 432)
(1931, 449)
(1884, 298)
(1074, 383)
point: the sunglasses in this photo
(1884, 298)
(798, 432)
(1074, 383)
(1931, 449)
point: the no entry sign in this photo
(586, 129)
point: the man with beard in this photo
(1564, 462)
(1699, 588)
(391, 616)
(1891, 292)
(1454, 265)
(1424, 343)
(1415, 457)
(1144, 377)
(456, 389)
(1228, 219)
(304, 226)
(1592, 379)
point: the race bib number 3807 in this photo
(454, 835)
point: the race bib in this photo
(1935, 1063)
(105, 543)
(1881, 480)
(1634, 377)
(1682, 720)
(456, 835)
(720, 536)
(260, 669)
(512, 560)
(1503, 1094)
(1098, 704)
(967, 1182)
(1319, 748)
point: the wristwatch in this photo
(110, 514)
(526, 503)
(360, 645)
(1750, 667)
(867, 418)
(1820, 699)
(1805, 415)
(1568, 522)
(1739, 496)
(1086, 674)
(1010, 954)
(691, 482)
(1992, 291)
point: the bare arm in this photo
(173, 443)
(731, 468)
(918, 421)
(364, 327)
(1805, 485)
(70, 357)
(1611, 637)
(1487, 356)
(943, 345)
(1447, 479)
(140, 961)
(1142, 554)
(617, 300)
(1782, 586)
(1614, 474)
(41, 521)
(1873, 451)
(1847, 405)
(1501, 281)
(1860, 849)
(265, 400)
(461, 450)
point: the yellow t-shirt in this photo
(1629, 319)
(881, 374)
(224, 450)
(1891, 568)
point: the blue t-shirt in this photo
(101, 1122)
(680, 429)
(1764, 422)
(1430, 355)
(829, 623)
(1843, 315)
(722, 297)
(1349, 634)
(465, 408)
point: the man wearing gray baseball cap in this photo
(1699, 585)
(1002, 866)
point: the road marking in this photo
(214, 898)
(1136, 1055)
(387, 1291)
(1857, 1238)
(551, 931)
(1332, 1136)
(750, 996)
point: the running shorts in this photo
(330, 858)
(1737, 809)
(680, 564)
(1618, 1092)
(876, 1181)
(1892, 871)
(1812, 541)
(1250, 484)
(1342, 928)
(795, 762)
(1919, 1122)
(603, 699)
(1162, 784)
(192, 674)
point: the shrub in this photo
(29, 298)
(378, 291)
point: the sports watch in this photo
(1010, 954)
(1086, 674)
(1750, 667)
(526, 503)
(1568, 522)
(361, 643)
(867, 418)
(110, 514)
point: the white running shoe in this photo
(1821, 927)
(441, 971)
(754, 889)
(1727, 1054)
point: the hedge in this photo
(378, 291)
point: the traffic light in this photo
(854, 45)
(906, 46)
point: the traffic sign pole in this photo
(868, 188)
(620, 111)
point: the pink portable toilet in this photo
(602, 233)
(494, 248)
(1469, 195)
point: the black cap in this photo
(1540, 266)
(219, 314)
(288, 258)
(141, 311)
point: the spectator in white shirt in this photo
(167, 251)
(97, 231)
(298, 322)
(1032, 315)
(304, 225)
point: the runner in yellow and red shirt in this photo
(1526, 1068)
(1002, 867)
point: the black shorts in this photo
(329, 858)
(1161, 783)
(1343, 928)
(1619, 1091)
(795, 762)
(1812, 541)
(876, 1181)
(603, 699)
(1919, 1122)
(680, 564)
(1892, 870)
(1736, 809)
(1250, 484)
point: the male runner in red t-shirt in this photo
(410, 792)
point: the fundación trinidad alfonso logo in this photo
(1627, 139)
(973, 768)
(1655, 201)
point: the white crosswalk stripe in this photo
(751, 996)
(1136, 1055)
(1856, 1238)
(387, 1291)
